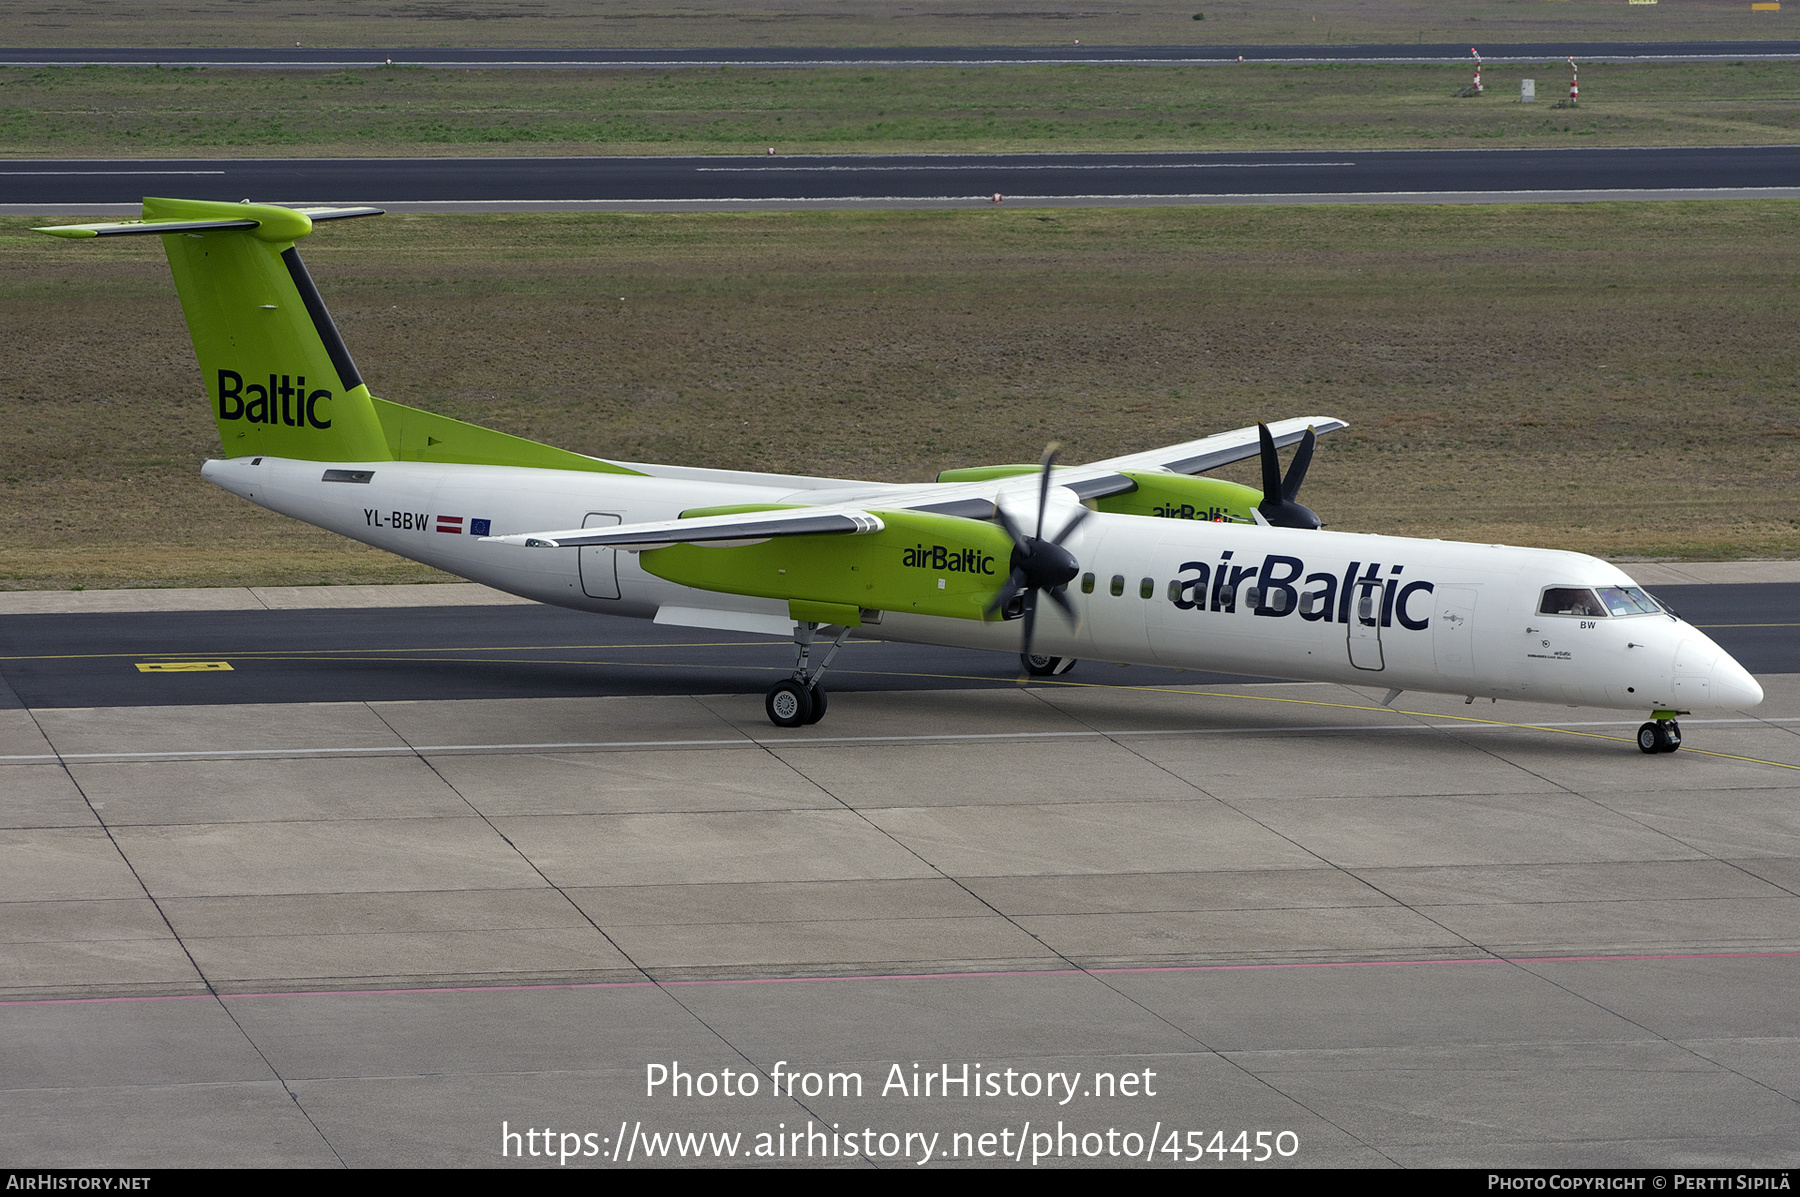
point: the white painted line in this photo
(900, 203)
(751, 741)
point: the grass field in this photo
(1619, 379)
(114, 112)
(866, 22)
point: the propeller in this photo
(1039, 564)
(1278, 507)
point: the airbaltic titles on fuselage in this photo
(1279, 591)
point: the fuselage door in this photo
(1453, 632)
(599, 566)
(1365, 624)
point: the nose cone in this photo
(1706, 677)
(1732, 685)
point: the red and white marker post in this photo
(1477, 55)
(1574, 84)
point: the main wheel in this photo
(1651, 738)
(789, 704)
(1038, 666)
(818, 703)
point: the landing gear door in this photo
(599, 565)
(1365, 624)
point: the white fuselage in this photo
(1384, 611)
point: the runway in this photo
(601, 58)
(910, 180)
(383, 931)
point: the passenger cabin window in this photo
(1627, 600)
(1118, 585)
(1087, 583)
(1563, 600)
(1147, 588)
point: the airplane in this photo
(1145, 560)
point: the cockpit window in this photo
(1563, 600)
(1627, 600)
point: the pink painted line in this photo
(208, 997)
(1198, 968)
(1049, 972)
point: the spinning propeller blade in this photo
(1039, 564)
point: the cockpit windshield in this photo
(1569, 600)
(1627, 600)
(1597, 603)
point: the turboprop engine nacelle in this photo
(919, 563)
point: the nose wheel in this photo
(1659, 735)
(1039, 666)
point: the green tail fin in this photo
(278, 376)
(281, 381)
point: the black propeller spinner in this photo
(1278, 506)
(1038, 564)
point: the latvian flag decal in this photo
(453, 524)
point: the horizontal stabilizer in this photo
(712, 529)
(142, 228)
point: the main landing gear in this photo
(800, 700)
(1659, 735)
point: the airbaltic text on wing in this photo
(1276, 589)
(280, 402)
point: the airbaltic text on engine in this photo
(950, 561)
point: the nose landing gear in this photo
(800, 700)
(1659, 735)
(1038, 666)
